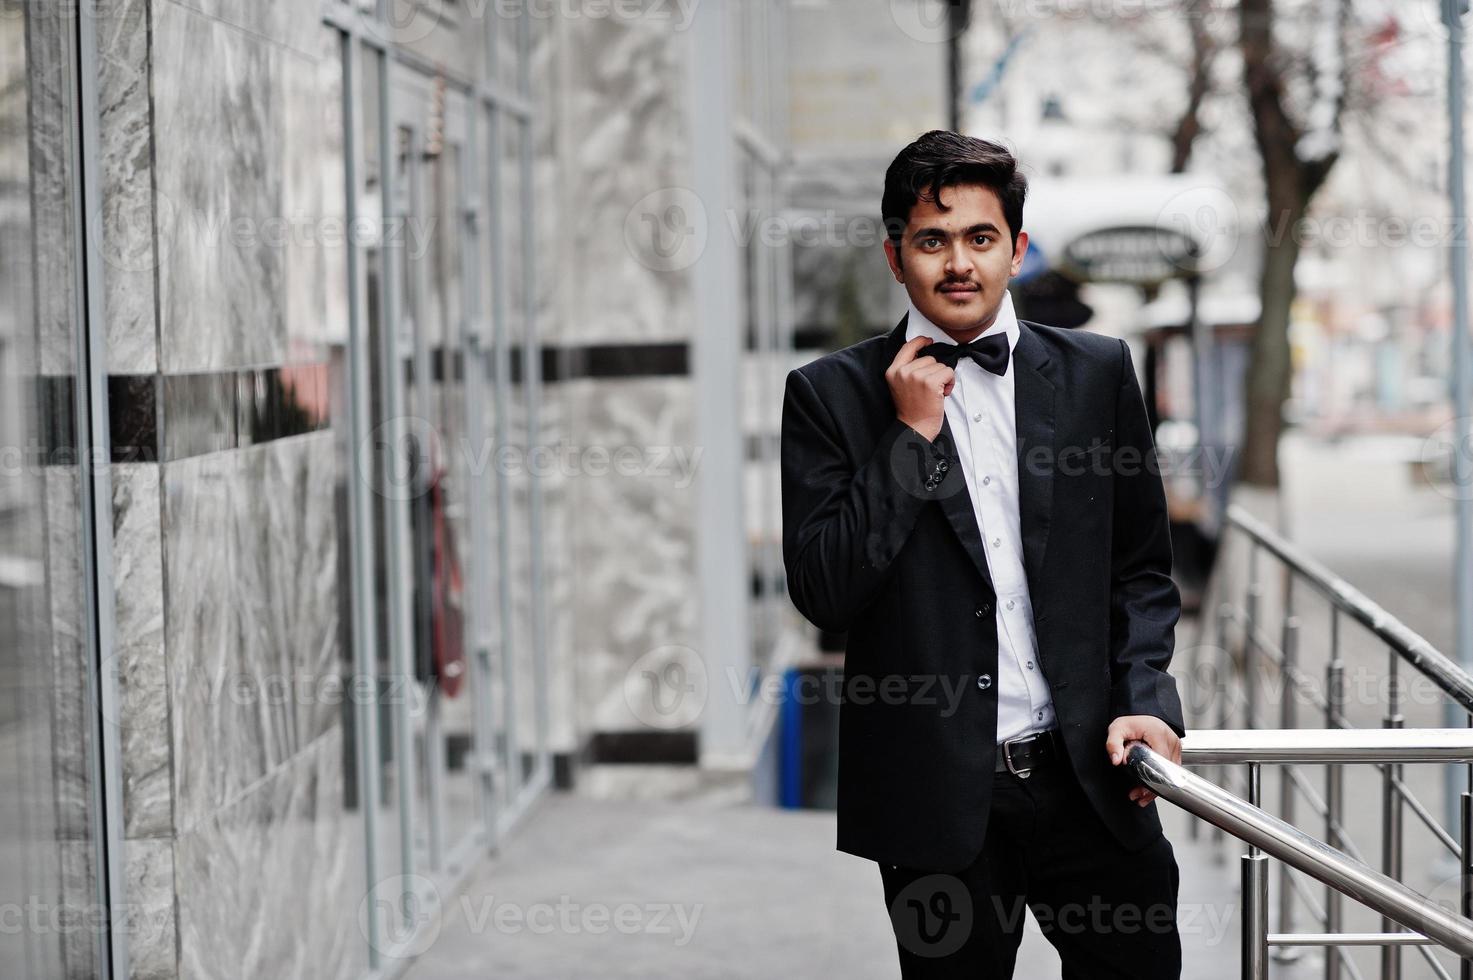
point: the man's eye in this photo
(928, 242)
(984, 239)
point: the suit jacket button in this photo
(984, 682)
(984, 609)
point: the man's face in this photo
(955, 264)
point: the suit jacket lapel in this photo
(957, 505)
(1033, 399)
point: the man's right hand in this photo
(919, 387)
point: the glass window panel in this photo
(491, 486)
(448, 33)
(386, 473)
(521, 482)
(48, 827)
(506, 31)
(450, 544)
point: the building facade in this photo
(389, 408)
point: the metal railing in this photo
(1269, 836)
(1263, 651)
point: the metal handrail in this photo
(1279, 648)
(1326, 746)
(1270, 835)
(1410, 645)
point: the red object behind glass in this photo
(447, 597)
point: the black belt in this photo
(1021, 755)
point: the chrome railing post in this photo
(1250, 641)
(1334, 788)
(1288, 719)
(1391, 814)
(1255, 895)
(1224, 707)
(1465, 867)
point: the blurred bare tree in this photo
(1296, 99)
(1306, 67)
(1204, 50)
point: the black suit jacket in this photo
(880, 540)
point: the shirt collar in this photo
(917, 325)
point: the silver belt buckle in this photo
(1007, 758)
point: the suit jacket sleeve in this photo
(1144, 601)
(845, 519)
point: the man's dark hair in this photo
(941, 159)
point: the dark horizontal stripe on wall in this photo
(131, 398)
(564, 770)
(678, 747)
(439, 357)
(608, 361)
(56, 420)
(133, 417)
(763, 445)
(176, 416)
(200, 413)
(204, 413)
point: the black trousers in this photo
(1109, 912)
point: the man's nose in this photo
(958, 262)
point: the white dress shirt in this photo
(983, 420)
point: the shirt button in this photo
(1040, 716)
(984, 682)
(996, 542)
(986, 480)
(1030, 665)
(1010, 603)
(977, 417)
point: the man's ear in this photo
(1020, 249)
(892, 256)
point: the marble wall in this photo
(222, 166)
(48, 826)
(621, 547)
(126, 217)
(632, 540)
(625, 100)
(244, 857)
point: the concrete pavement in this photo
(727, 891)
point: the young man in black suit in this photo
(976, 501)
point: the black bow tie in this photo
(990, 351)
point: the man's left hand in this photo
(1157, 735)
